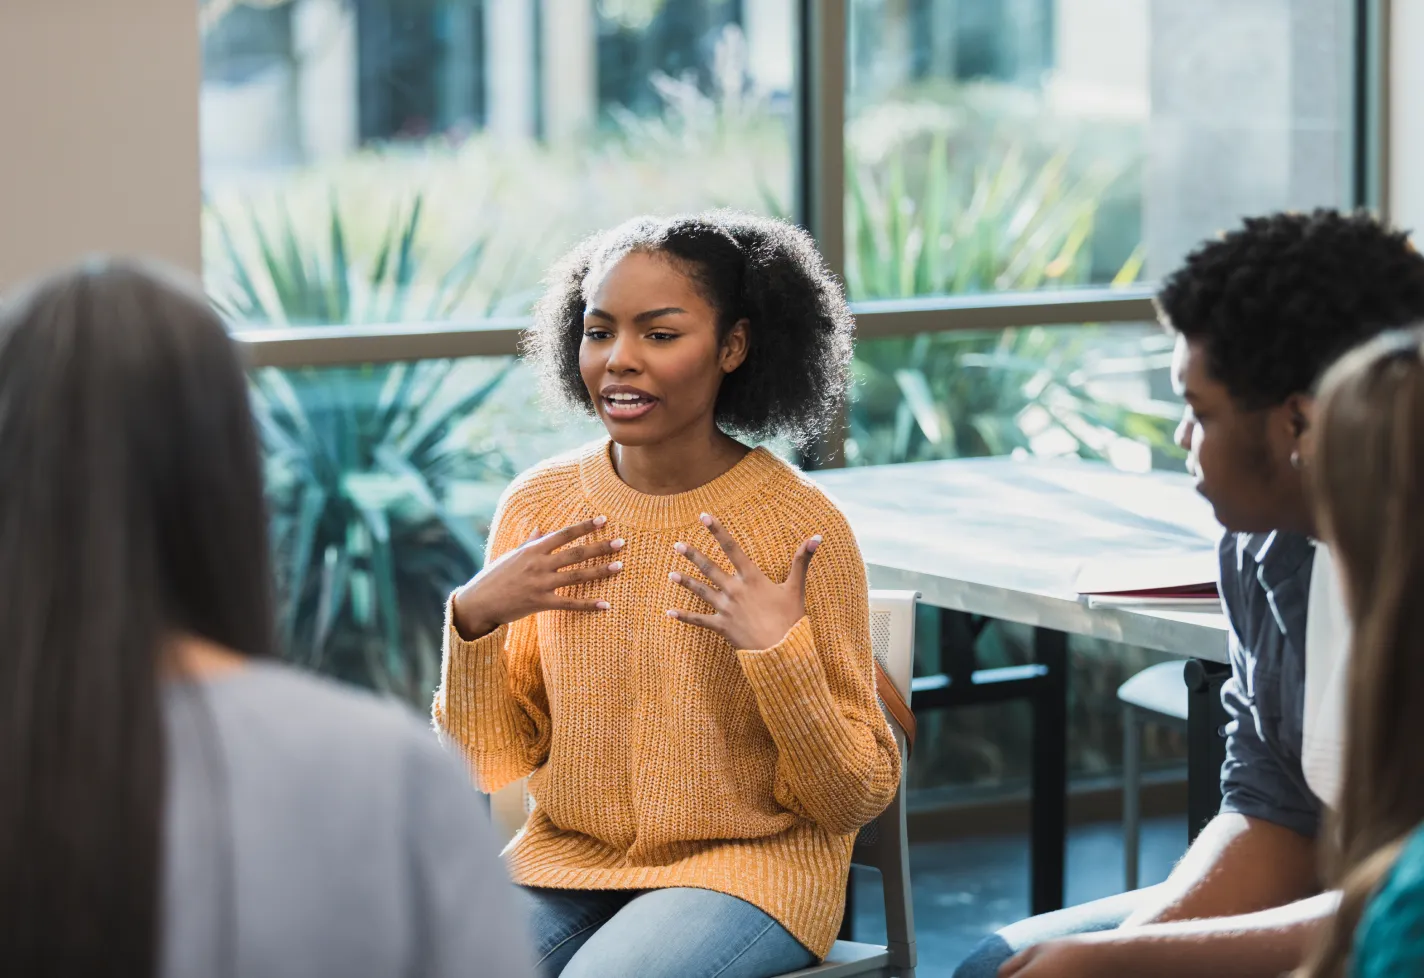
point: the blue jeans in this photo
(674, 933)
(1106, 914)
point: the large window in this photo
(1041, 144)
(998, 182)
(387, 161)
(1099, 392)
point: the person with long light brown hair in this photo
(1368, 474)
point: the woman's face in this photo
(650, 355)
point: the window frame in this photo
(819, 192)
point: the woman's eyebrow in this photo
(641, 318)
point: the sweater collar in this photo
(614, 498)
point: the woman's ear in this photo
(734, 346)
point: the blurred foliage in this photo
(382, 478)
(361, 460)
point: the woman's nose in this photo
(622, 357)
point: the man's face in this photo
(1241, 459)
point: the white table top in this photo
(1006, 538)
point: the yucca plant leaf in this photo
(287, 412)
(929, 271)
(455, 284)
(436, 426)
(1131, 269)
(331, 598)
(310, 511)
(306, 298)
(340, 278)
(384, 605)
(404, 271)
(251, 307)
(277, 275)
(394, 463)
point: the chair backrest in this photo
(881, 845)
(892, 635)
(884, 843)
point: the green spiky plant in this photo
(1023, 219)
(361, 461)
(918, 227)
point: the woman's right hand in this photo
(526, 580)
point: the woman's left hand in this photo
(752, 611)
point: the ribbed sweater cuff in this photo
(474, 706)
(795, 699)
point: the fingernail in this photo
(600, 520)
(618, 544)
(816, 538)
(706, 519)
(675, 577)
(680, 547)
(812, 544)
(671, 613)
(604, 606)
(617, 565)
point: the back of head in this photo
(1368, 474)
(130, 512)
(1279, 299)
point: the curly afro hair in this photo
(765, 271)
(1278, 300)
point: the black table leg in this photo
(1048, 840)
(1044, 684)
(1206, 741)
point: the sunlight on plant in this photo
(523, 203)
(1023, 217)
(362, 462)
(361, 467)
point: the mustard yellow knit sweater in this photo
(659, 755)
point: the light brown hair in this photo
(1366, 478)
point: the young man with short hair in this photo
(1259, 315)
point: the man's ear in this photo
(1300, 415)
(1300, 410)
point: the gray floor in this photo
(967, 888)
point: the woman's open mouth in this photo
(626, 403)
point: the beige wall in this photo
(98, 132)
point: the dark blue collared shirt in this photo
(1265, 586)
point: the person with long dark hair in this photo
(173, 801)
(1368, 478)
(671, 636)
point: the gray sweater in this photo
(315, 831)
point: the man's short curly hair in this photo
(1278, 300)
(765, 271)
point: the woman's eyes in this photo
(595, 333)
